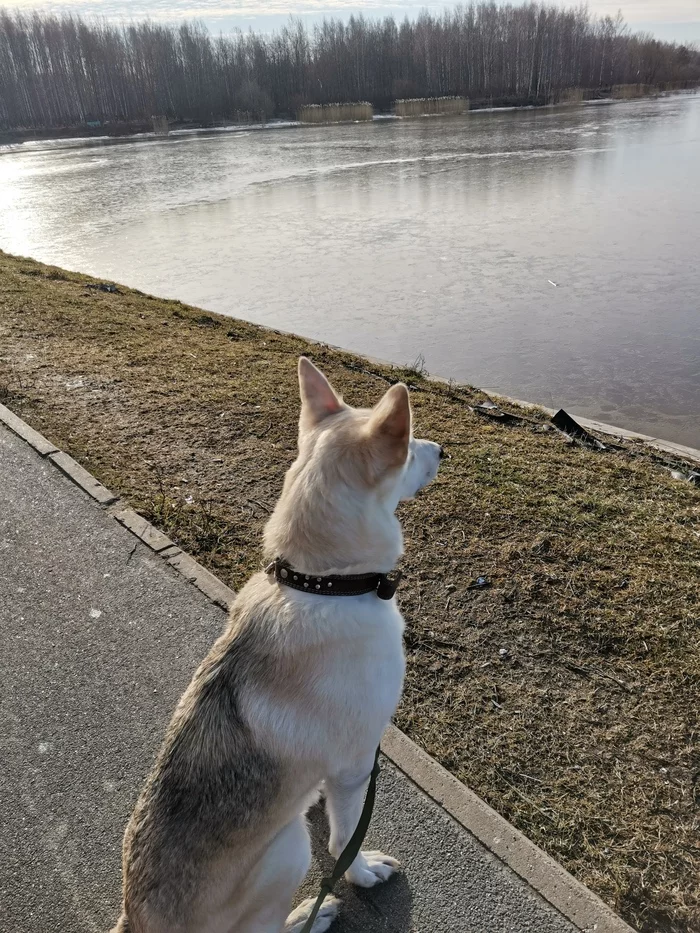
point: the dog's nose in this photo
(443, 452)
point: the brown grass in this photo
(565, 692)
(160, 125)
(571, 95)
(433, 106)
(336, 113)
(631, 91)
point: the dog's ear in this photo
(390, 424)
(318, 400)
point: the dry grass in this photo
(571, 95)
(430, 106)
(360, 111)
(632, 91)
(160, 125)
(565, 692)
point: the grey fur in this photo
(208, 784)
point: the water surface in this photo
(547, 254)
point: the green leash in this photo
(349, 853)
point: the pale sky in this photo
(677, 20)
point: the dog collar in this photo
(354, 584)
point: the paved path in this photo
(98, 637)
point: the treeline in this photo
(58, 71)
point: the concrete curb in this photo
(22, 429)
(82, 478)
(140, 527)
(205, 581)
(143, 529)
(584, 909)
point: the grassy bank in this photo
(565, 692)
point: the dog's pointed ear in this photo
(318, 400)
(391, 422)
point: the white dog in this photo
(298, 691)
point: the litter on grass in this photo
(490, 410)
(104, 287)
(568, 426)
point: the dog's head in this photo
(354, 467)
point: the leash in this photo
(351, 850)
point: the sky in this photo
(672, 20)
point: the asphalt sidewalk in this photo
(98, 638)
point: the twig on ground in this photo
(527, 799)
(368, 372)
(262, 505)
(589, 671)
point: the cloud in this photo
(675, 11)
(223, 15)
(212, 10)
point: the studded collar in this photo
(355, 584)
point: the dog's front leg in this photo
(345, 796)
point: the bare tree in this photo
(63, 71)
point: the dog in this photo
(294, 695)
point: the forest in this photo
(65, 71)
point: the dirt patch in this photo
(563, 687)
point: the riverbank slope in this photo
(564, 691)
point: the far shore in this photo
(143, 129)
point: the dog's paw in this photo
(371, 868)
(326, 915)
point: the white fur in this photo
(353, 645)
